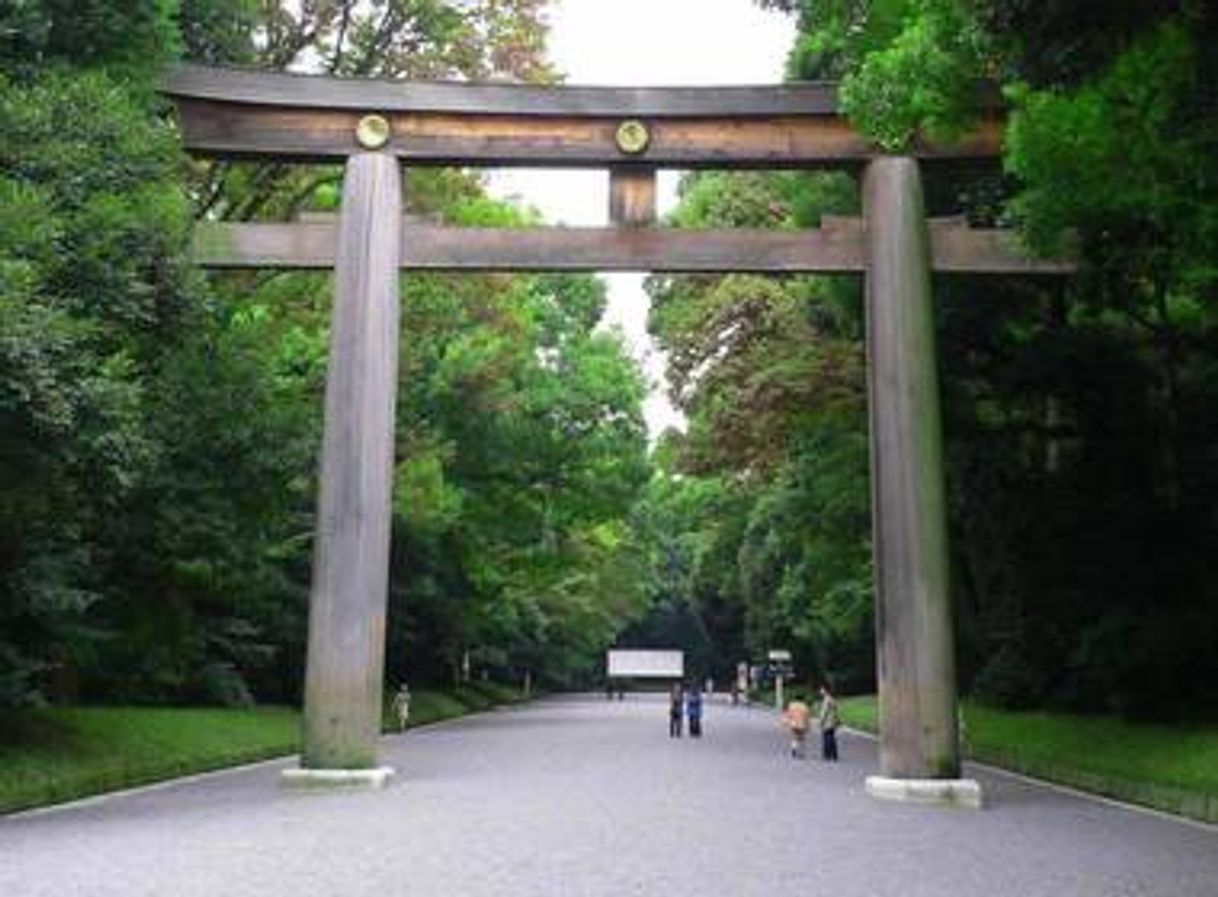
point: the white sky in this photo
(655, 43)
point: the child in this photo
(797, 717)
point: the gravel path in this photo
(580, 797)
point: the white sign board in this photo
(642, 664)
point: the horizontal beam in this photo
(838, 247)
(240, 114)
(297, 91)
(437, 248)
(965, 250)
(233, 130)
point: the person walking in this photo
(797, 718)
(693, 710)
(829, 721)
(676, 708)
(401, 706)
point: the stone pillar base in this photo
(336, 779)
(964, 793)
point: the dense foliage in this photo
(159, 429)
(763, 501)
(1082, 419)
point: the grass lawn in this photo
(1173, 768)
(60, 753)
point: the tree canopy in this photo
(1080, 418)
(159, 426)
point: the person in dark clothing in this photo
(675, 707)
(693, 709)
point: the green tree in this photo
(94, 294)
(1078, 417)
(160, 429)
(762, 529)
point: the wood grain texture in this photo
(234, 113)
(632, 196)
(260, 88)
(346, 648)
(221, 129)
(437, 248)
(962, 250)
(914, 649)
(837, 247)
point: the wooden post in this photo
(915, 653)
(346, 654)
(632, 196)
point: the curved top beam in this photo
(248, 86)
(248, 114)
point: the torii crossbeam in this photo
(377, 126)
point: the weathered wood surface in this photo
(838, 247)
(234, 130)
(346, 650)
(232, 113)
(231, 130)
(959, 249)
(632, 196)
(914, 640)
(261, 88)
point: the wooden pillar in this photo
(346, 654)
(915, 652)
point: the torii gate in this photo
(377, 126)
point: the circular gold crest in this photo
(632, 136)
(372, 132)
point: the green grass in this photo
(62, 753)
(1172, 768)
(56, 754)
(499, 694)
(428, 706)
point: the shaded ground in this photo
(584, 797)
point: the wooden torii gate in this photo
(376, 127)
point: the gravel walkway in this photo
(580, 797)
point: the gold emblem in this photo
(632, 136)
(372, 132)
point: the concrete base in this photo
(336, 779)
(947, 792)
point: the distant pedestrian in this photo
(829, 721)
(797, 718)
(676, 708)
(693, 710)
(401, 706)
(710, 688)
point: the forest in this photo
(160, 427)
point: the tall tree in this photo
(1078, 418)
(765, 534)
(160, 428)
